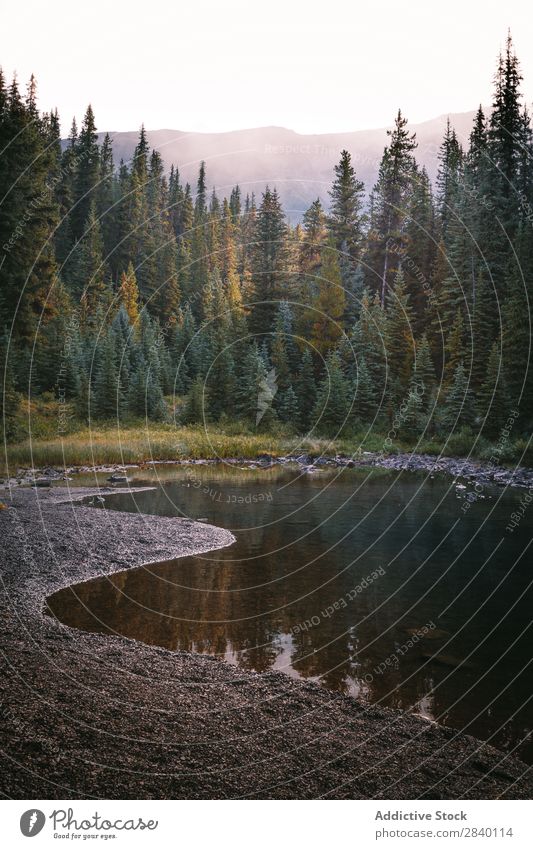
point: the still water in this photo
(391, 587)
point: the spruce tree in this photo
(269, 256)
(424, 372)
(195, 410)
(492, 400)
(334, 399)
(391, 199)
(9, 398)
(108, 397)
(399, 339)
(220, 380)
(28, 215)
(253, 386)
(87, 156)
(458, 409)
(346, 213)
(364, 395)
(330, 303)
(306, 390)
(129, 294)
(287, 407)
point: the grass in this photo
(39, 444)
(140, 441)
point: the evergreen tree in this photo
(88, 271)
(253, 387)
(129, 294)
(195, 409)
(399, 339)
(492, 402)
(364, 395)
(105, 200)
(346, 216)
(391, 199)
(287, 407)
(458, 409)
(330, 303)
(448, 176)
(28, 215)
(221, 381)
(334, 399)
(145, 397)
(269, 254)
(424, 372)
(9, 398)
(306, 390)
(87, 155)
(108, 398)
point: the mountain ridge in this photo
(300, 165)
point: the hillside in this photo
(300, 166)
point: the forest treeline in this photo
(127, 293)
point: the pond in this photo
(392, 587)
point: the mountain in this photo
(300, 166)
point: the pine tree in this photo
(458, 409)
(455, 347)
(399, 339)
(448, 176)
(507, 137)
(424, 372)
(346, 216)
(106, 196)
(145, 397)
(269, 256)
(252, 386)
(492, 400)
(195, 410)
(484, 328)
(221, 381)
(287, 407)
(413, 420)
(390, 206)
(364, 395)
(108, 398)
(314, 238)
(28, 215)
(369, 340)
(330, 303)
(9, 398)
(129, 294)
(87, 155)
(334, 399)
(88, 274)
(517, 350)
(306, 390)
(418, 262)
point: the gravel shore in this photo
(86, 715)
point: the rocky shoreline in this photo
(477, 473)
(85, 715)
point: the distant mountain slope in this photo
(300, 166)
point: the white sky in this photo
(310, 65)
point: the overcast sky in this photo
(311, 66)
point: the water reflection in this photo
(374, 584)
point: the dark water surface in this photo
(388, 586)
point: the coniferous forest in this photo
(127, 294)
